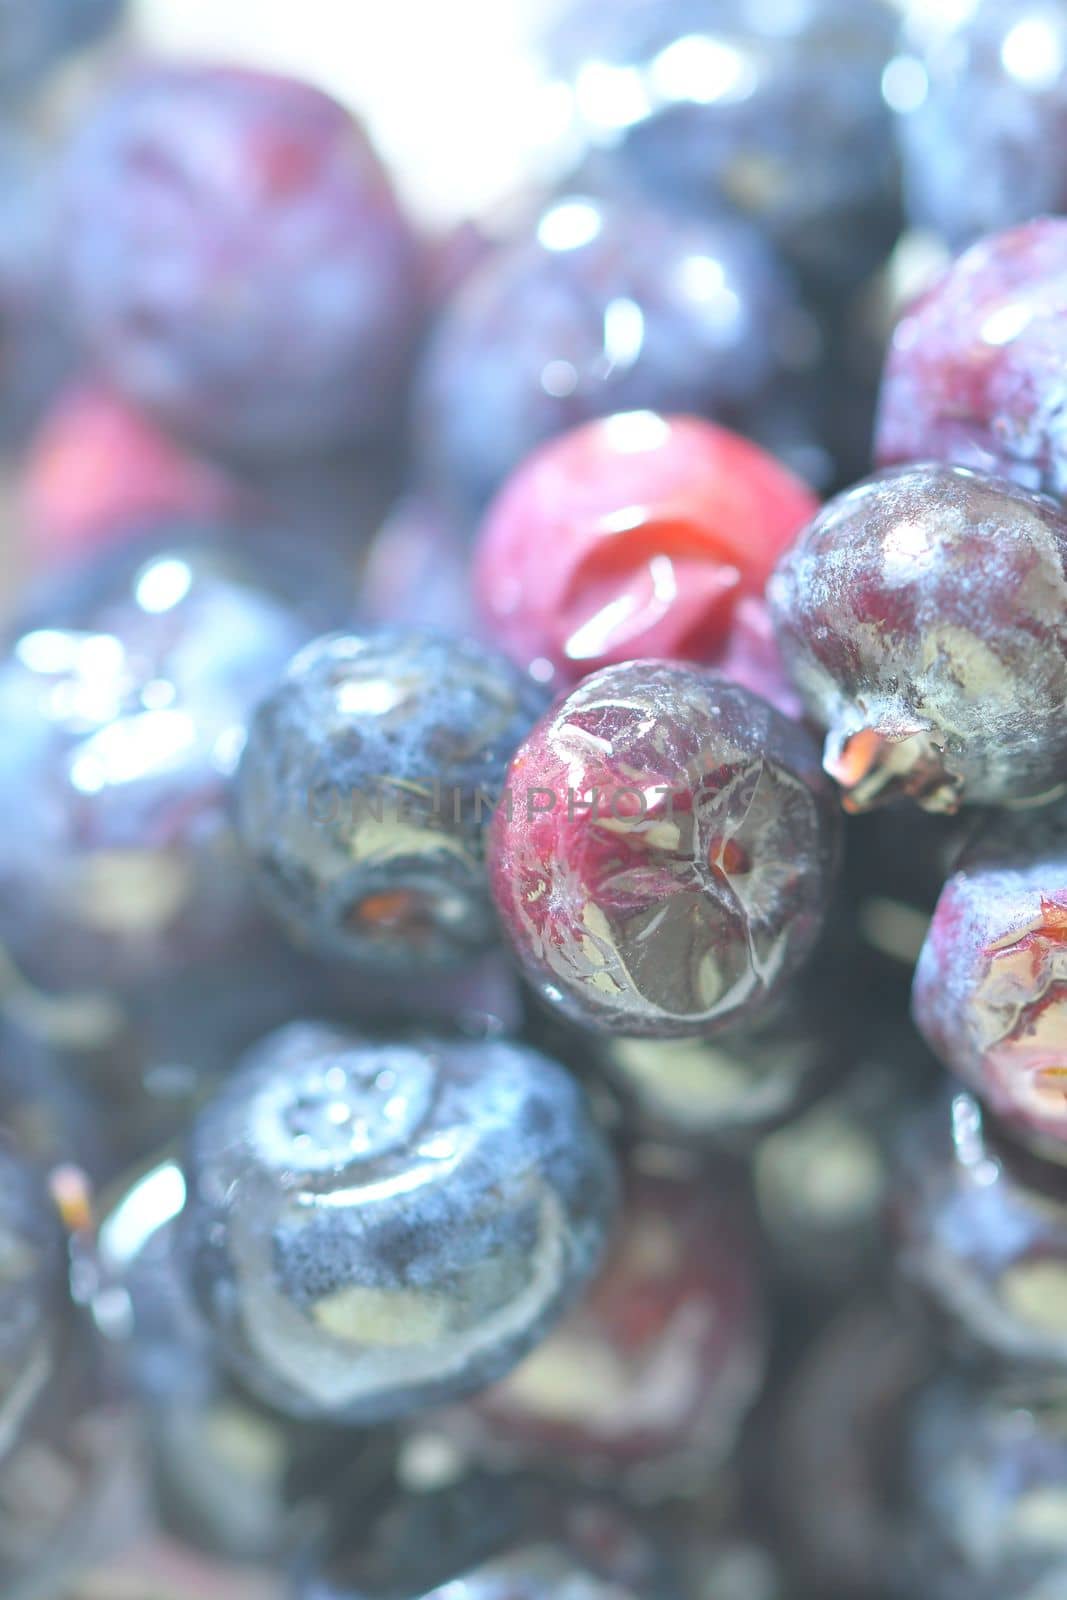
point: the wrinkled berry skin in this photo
(990, 992)
(365, 788)
(923, 618)
(980, 149)
(980, 1231)
(98, 471)
(776, 111)
(974, 372)
(254, 287)
(491, 1537)
(124, 699)
(986, 1466)
(601, 307)
(669, 852)
(35, 34)
(651, 1374)
(637, 535)
(376, 1228)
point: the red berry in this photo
(638, 535)
(99, 470)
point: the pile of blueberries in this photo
(523, 757)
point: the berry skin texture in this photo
(374, 1228)
(637, 535)
(364, 790)
(990, 991)
(255, 287)
(974, 372)
(602, 307)
(665, 863)
(923, 618)
(981, 149)
(980, 1234)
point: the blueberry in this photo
(983, 112)
(773, 109)
(989, 987)
(365, 792)
(373, 1228)
(602, 307)
(666, 860)
(125, 694)
(922, 617)
(981, 1234)
(237, 261)
(974, 370)
(986, 1465)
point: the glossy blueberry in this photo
(983, 112)
(974, 369)
(986, 1466)
(981, 1233)
(666, 861)
(639, 535)
(254, 286)
(373, 1228)
(125, 694)
(602, 307)
(650, 1377)
(492, 1536)
(923, 617)
(366, 787)
(774, 110)
(990, 990)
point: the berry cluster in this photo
(493, 730)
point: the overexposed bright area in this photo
(448, 87)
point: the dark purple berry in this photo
(598, 308)
(981, 94)
(991, 984)
(975, 368)
(665, 862)
(237, 261)
(773, 109)
(923, 617)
